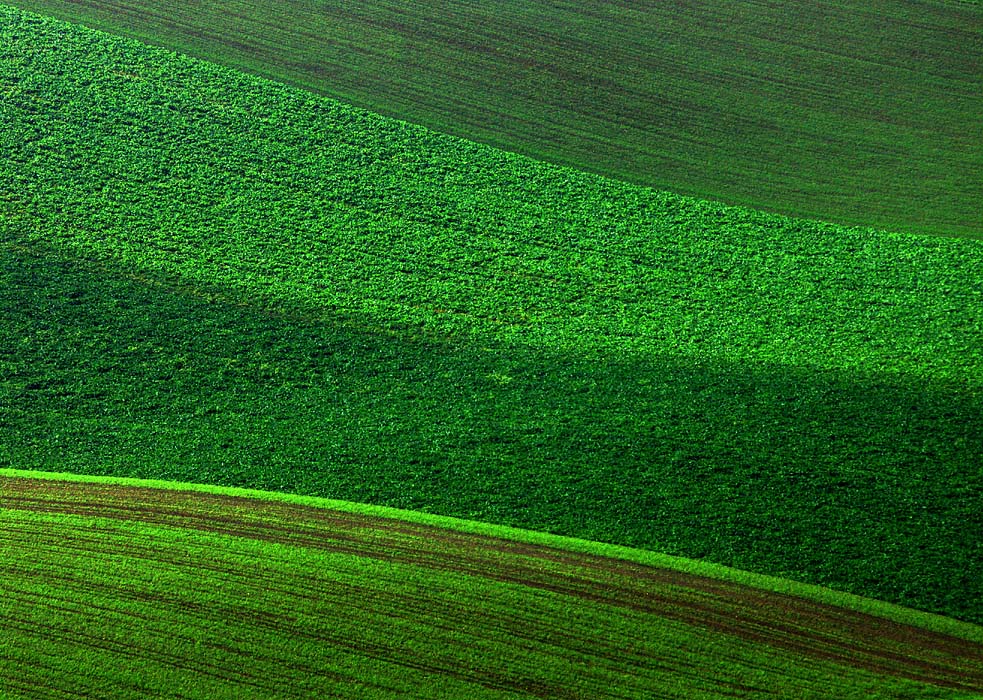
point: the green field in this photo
(214, 278)
(856, 111)
(228, 596)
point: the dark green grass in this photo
(212, 278)
(857, 112)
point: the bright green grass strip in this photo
(860, 111)
(206, 615)
(212, 278)
(936, 623)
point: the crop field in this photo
(859, 111)
(214, 278)
(229, 596)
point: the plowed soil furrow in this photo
(783, 622)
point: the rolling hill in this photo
(212, 277)
(859, 111)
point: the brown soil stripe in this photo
(786, 622)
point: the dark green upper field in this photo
(857, 111)
(213, 278)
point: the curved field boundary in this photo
(855, 111)
(91, 554)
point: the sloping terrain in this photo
(858, 111)
(123, 591)
(214, 278)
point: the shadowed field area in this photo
(131, 590)
(867, 483)
(857, 112)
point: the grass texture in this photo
(856, 111)
(226, 596)
(210, 277)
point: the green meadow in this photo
(215, 278)
(856, 111)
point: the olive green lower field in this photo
(123, 590)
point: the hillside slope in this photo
(855, 111)
(210, 277)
